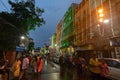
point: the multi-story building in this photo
(58, 35)
(96, 21)
(82, 23)
(68, 32)
(93, 25)
(53, 40)
(52, 47)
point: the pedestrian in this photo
(80, 63)
(104, 70)
(45, 60)
(34, 65)
(4, 71)
(61, 61)
(40, 65)
(2, 68)
(94, 67)
(16, 69)
(25, 66)
(62, 65)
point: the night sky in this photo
(54, 11)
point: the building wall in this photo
(53, 40)
(88, 33)
(81, 25)
(58, 32)
(68, 32)
(58, 36)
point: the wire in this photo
(4, 5)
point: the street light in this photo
(21, 41)
(100, 11)
(106, 21)
(22, 37)
(101, 20)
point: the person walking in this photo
(25, 66)
(40, 65)
(94, 67)
(34, 66)
(62, 65)
(16, 70)
(104, 70)
(80, 63)
(2, 68)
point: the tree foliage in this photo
(27, 13)
(24, 16)
(9, 33)
(31, 44)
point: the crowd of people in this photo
(21, 66)
(4, 70)
(93, 68)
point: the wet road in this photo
(52, 71)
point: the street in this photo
(50, 71)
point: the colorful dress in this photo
(17, 68)
(40, 65)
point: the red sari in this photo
(40, 65)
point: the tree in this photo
(31, 44)
(25, 16)
(27, 13)
(9, 33)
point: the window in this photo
(116, 64)
(113, 63)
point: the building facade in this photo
(92, 25)
(58, 35)
(68, 32)
(94, 29)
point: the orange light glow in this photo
(100, 11)
(101, 19)
(101, 15)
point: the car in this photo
(114, 67)
(56, 59)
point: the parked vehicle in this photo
(114, 67)
(56, 59)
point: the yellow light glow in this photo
(106, 21)
(101, 15)
(100, 11)
(68, 49)
(98, 25)
(72, 49)
(101, 19)
(22, 37)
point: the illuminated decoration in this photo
(98, 25)
(65, 44)
(101, 15)
(100, 11)
(101, 20)
(106, 21)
